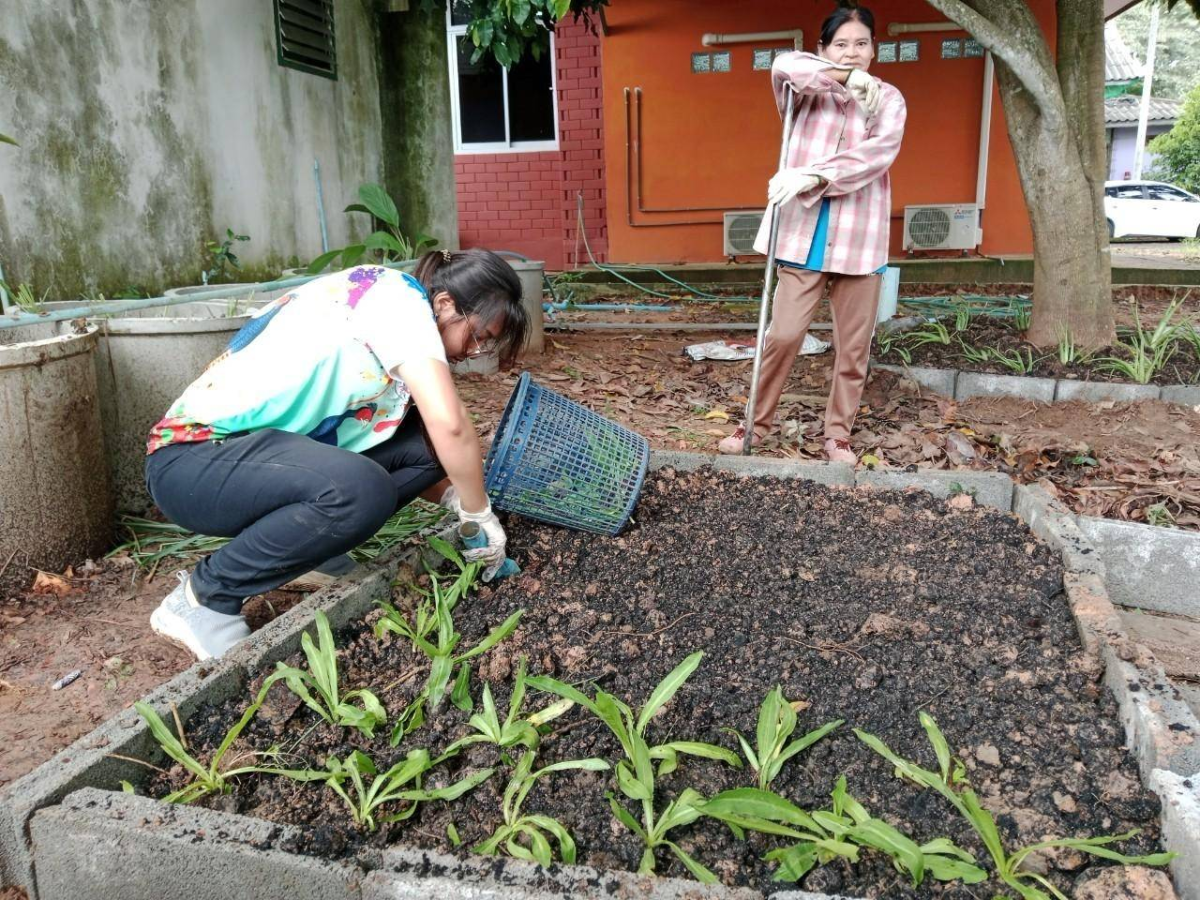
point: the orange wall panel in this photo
(709, 142)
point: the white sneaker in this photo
(206, 633)
(812, 346)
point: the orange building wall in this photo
(712, 140)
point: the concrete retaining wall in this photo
(65, 833)
(961, 385)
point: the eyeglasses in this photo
(483, 344)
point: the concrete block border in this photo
(65, 833)
(1149, 567)
(960, 385)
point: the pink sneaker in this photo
(732, 445)
(838, 450)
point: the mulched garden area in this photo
(1003, 338)
(868, 606)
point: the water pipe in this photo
(116, 307)
(320, 206)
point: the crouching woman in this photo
(331, 409)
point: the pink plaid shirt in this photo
(833, 136)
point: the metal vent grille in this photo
(929, 228)
(304, 36)
(740, 231)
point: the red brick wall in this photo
(527, 202)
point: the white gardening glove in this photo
(788, 183)
(494, 554)
(864, 89)
(449, 498)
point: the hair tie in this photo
(446, 255)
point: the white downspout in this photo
(750, 37)
(985, 137)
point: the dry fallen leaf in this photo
(717, 414)
(45, 583)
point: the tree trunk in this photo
(1055, 120)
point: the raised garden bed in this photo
(982, 344)
(864, 606)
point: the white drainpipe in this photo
(985, 137)
(751, 37)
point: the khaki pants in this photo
(854, 300)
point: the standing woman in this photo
(331, 409)
(834, 213)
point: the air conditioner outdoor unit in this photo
(739, 231)
(944, 226)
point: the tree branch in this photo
(1029, 61)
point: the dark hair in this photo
(841, 16)
(481, 284)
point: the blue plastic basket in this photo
(556, 461)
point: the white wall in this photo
(147, 127)
(1123, 144)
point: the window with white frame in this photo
(498, 110)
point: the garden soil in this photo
(95, 620)
(867, 606)
(1143, 453)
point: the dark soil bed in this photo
(1182, 368)
(867, 606)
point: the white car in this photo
(1150, 209)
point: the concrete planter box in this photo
(55, 498)
(65, 833)
(144, 360)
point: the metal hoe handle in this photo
(768, 280)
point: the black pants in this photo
(289, 502)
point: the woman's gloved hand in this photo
(492, 555)
(864, 89)
(788, 183)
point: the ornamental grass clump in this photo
(950, 781)
(636, 772)
(321, 678)
(527, 835)
(776, 723)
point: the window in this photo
(1126, 192)
(494, 109)
(304, 36)
(1166, 192)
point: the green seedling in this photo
(1189, 336)
(841, 831)
(527, 836)
(1069, 352)
(956, 488)
(962, 316)
(400, 783)
(1022, 316)
(425, 616)
(1149, 351)
(330, 703)
(950, 781)
(516, 730)
(636, 773)
(776, 723)
(929, 333)
(1160, 516)
(222, 255)
(1016, 361)
(211, 778)
(973, 354)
